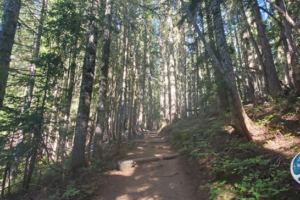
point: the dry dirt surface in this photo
(164, 179)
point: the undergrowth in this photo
(237, 170)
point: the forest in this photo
(81, 80)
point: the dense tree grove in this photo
(77, 74)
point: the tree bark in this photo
(103, 83)
(222, 90)
(185, 63)
(8, 29)
(78, 153)
(150, 111)
(274, 87)
(172, 67)
(161, 79)
(122, 88)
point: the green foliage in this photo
(267, 119)
(217, 189)
(182, 136)
(214, 127)
(229, 165)
(252, 185)
(71, 191)
(269, 98)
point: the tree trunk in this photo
(150, 111)
(143, 80)
(222, 90)
(161, 79)
(78, 153)
(103, 84)
(185, 63)
(8, 29)
(172, 67)
(122, 89)
(166, 86)
(188, 76)
(133, 75)
(288, 68)
(274, 87)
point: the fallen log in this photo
(140, 141)
(150, 136)
(126, 164)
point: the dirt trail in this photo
(165, 179)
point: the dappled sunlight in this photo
(141, 188)
(127, 173)
(157, 180)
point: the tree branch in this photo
(266, 11)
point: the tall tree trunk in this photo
(184, 64)
(166, 87)
(78, 152)
(274, 87)
(249, 65)
(172, 67)
(133, 90)
(8, 29)
(222, 90)
(103, 84)
(150, 111)
(122, 88)
(143, 80)
(161, 79)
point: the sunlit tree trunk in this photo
(172, 67)
(121, 110)
(166, 88)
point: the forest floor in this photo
(164, 179)
(225, 165)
